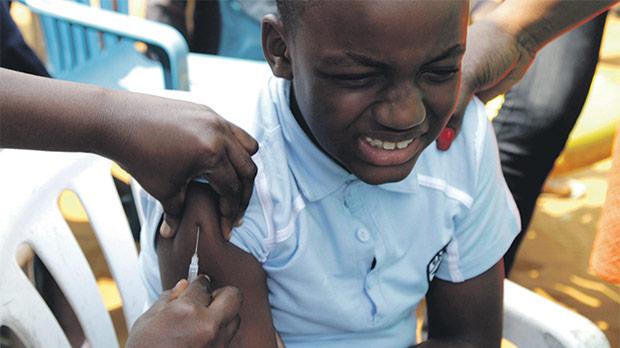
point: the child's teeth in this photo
(388, 145)
(403, 144)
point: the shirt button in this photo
(363, 235)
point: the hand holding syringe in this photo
(192, 274)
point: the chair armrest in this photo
(531, 320)
(149, 32)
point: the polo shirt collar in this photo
(324, 176)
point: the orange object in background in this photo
(605, 258)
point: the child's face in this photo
(376, 81)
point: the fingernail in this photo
(165, 230)
(178, 285)
(205, 282)
(239, 222)
(178, 289)
(445, 139)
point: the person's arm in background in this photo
(225, 263)
(503, 44)
(189, 315)
(163, 143)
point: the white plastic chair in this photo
(30, 184)
(531, 320)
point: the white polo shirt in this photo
(348, 262)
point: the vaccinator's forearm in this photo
(45, 114)
(54, 115)
(536, 22)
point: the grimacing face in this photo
(373, 82)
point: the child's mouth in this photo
(387, 153)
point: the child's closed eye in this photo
(355, 81)
(440, 75)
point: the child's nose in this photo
(402, 108)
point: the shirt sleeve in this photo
(253, 235)
(485, 232)
(151, 214)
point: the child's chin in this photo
(383, 175)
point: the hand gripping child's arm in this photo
(467, 314)
(502, 44)
(163, 143)
(223, 262)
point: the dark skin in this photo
(467, 314)
(503, 43)
(189, 315)
(225, 264)
(357, 71)
(163, 143)
(355, 79)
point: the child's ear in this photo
(275, 48)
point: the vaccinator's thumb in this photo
(173, 210)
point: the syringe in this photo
(193, 266)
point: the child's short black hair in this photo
(291, 10)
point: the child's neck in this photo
(300, 119)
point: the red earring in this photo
(445, 139)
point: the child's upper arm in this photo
(222, 261)
(467, 314)
(465, 298)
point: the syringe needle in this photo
(197, 238)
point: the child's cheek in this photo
(442, 99)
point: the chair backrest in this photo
(82, 41)
(31, 182)
(71, 45)
(531, 320)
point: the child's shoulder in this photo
(460, 166)
(475, 132)
(276, 193)
(276, 200)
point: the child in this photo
(348, 235)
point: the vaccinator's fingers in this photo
(246, 140)
(198, 292)
(178, 289)
(246, 172)
(225, 304)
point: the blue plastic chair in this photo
(97, 46)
